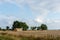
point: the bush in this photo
(43, 27)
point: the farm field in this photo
(31, 35)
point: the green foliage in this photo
(33, 28)
(7, 27)
(0, 28)
(38, 28)
(3, 29)
(17, 24)
(25, 26)
(43, 27)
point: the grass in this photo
(6, 36)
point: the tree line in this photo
(24, 26)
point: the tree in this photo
(0, 28)
(17, 24)
(33, 28)
(24, 26)
(38, 28)
(7, 27)
(43, 26)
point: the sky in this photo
(33, 12)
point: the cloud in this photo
(57, 20)
(38, 6)
(44, 7)
(7, 20)
(39, 20)
(41, 9)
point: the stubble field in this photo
(32, 35)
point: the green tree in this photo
(33, 28)
(38, 28)
(43, 27)
(7, 27)
(0, 28)
(17, 24)
(24, 26)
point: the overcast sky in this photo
(33, 12)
